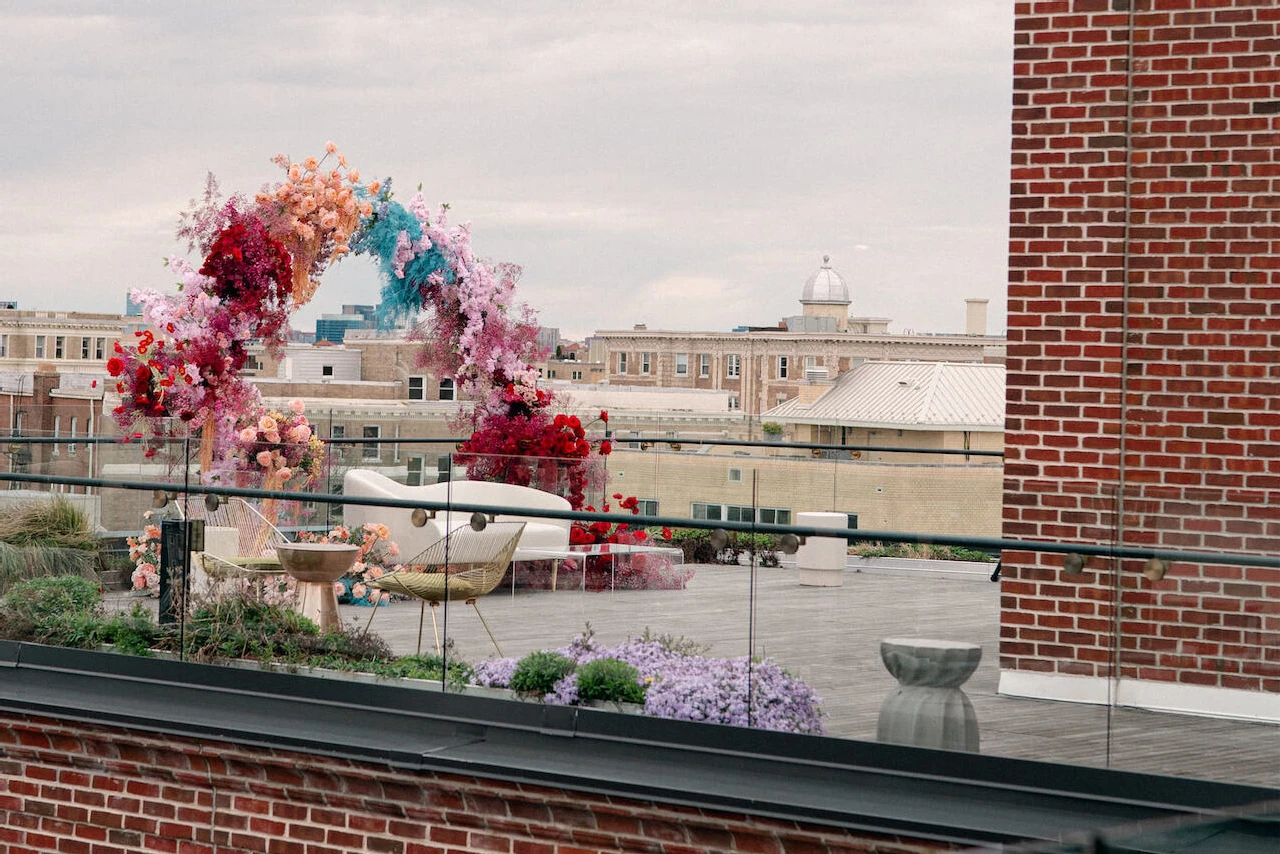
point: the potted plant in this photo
(772, 431)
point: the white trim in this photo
(1143, 694)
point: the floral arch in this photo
(263, 259)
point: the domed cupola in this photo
(826, 299)
(825, 287)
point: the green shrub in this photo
(134, 633)
(610, 679)
(50, 609)
(423, 667)
(538, 672)
(241, 627)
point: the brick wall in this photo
(1143, 366)
(75, 788)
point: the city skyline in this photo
(644, 164)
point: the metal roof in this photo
(906, 395)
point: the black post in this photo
(173, 563)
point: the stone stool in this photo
(928, 709)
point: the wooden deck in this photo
(830, 637)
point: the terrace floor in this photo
(830, 637)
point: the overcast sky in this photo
(684, 164)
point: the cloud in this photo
(682, 164)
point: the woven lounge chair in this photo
(466, 564)
(256, 541)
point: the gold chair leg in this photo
(485, 623)
(434, 629)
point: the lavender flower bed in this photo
(688, 687)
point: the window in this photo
(577, 375)
(782, 367)
(417, 388)
(372, 451)
(71, 446)
(447, 389)
(644, 362)
(734, 403)
(99, 348)
(780, 399)
(774, 516)
(59, 346)
(416, 464)
(551, 373)
(326, 370)
(682, 364)
(704, 365)
(741, 513)
(4, 345)
(735, 475)
(810, 362)
(622, 363)
(733, 365)
(647, 506)
(337, 432)
(42, 341)
(84, 348)
(711, 512)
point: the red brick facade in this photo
(1144, 337)
(80, 789)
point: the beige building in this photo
(762, 367)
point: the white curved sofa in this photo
(539, 533)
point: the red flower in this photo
(666, 533)
(115, 366)
(604, 416)
(606, 448)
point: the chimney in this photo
(810, 391)
(975, 317)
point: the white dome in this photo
(826, 287)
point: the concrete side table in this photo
(820, 561)
(928, 709)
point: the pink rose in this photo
(285, 473)
(266, 423)
(264, 459)
(296, 406)
(358, 590)
(300, 433)
(248, 434)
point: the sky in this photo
(684, 165)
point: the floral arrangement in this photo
(144, 551)
(376, 556)
(280, 445)
(528, 447)
(683, 686)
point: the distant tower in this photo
(827, 295)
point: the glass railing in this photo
(1166, 666)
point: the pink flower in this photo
(264, 459)
(300, 433)
(339, 588)
(272, 436)
(248, 434)
(285, 473)
(358, 590)
(296, 406)
(331, 147)
(310, 164)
